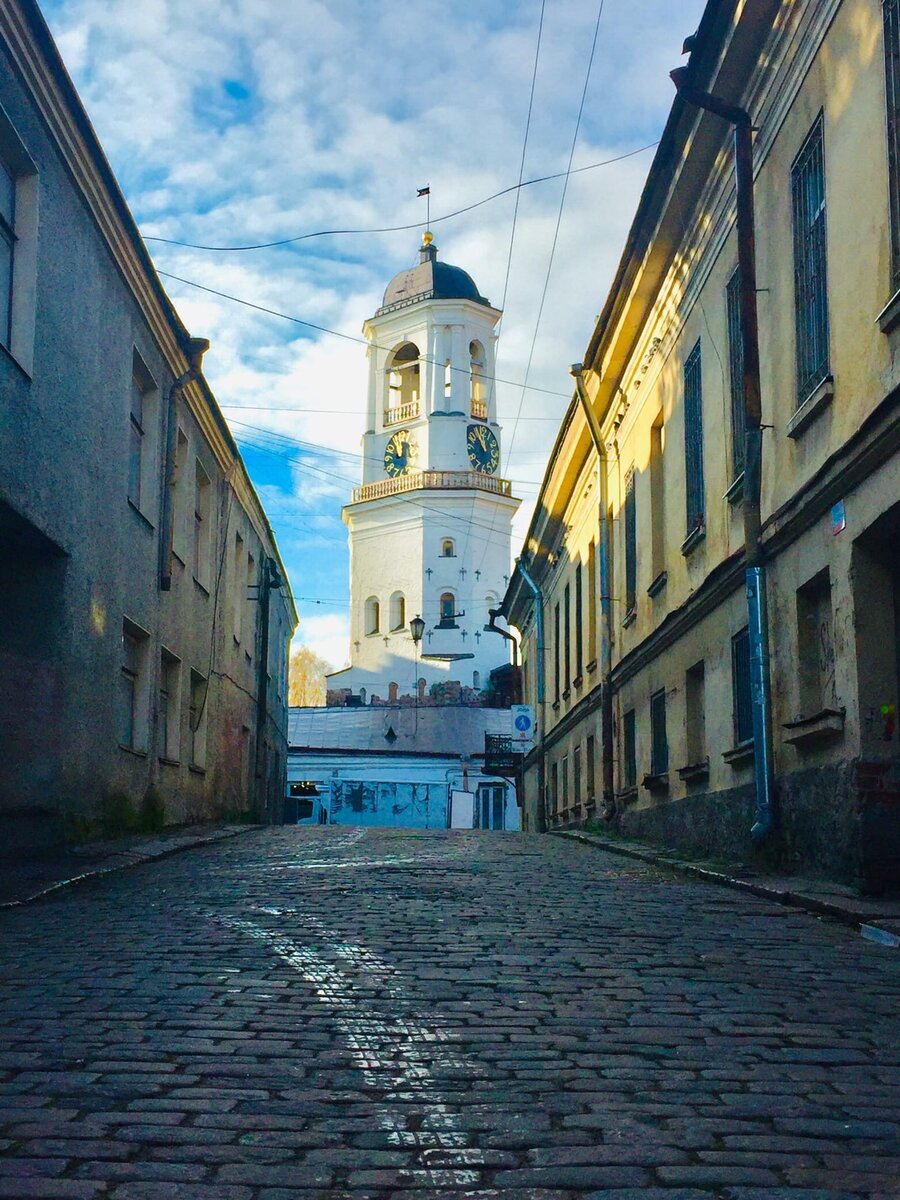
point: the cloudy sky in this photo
(238, 122)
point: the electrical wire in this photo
(348, 337)
(336, 412)
(516, 187)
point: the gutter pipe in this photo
(491, 627)
(606, 706)
(195, 349)
(755, 568)
(541, 693)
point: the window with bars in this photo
(590, 769)
(567, 646)
(810, 265)
(659, 743)
(629, 749)
(741, 691)
(576, 776)
(579, 624)
(693, 442)
(891, 13)
(736, 371)
(630, 543)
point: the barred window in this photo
(693, 441)
(629, 749)
(891, 10)
(741, 690)
(659, 744)
(810, 267)
(736, 370)
(630, 543)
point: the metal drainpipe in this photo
(271, 581)
(195, 350)
(755, 570)
(606, 706)
(541, 698)
(491, 627)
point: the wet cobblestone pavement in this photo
(327, 1012)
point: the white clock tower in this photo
(430, 525)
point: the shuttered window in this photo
(693, 442)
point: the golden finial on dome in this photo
(427, 237)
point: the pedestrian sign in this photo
(522, 722)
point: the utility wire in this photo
(336, 412)
(348, 337)
(516, 187)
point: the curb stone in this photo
(120, 860)
(777, 891)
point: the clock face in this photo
(400, 453)
(483, 448)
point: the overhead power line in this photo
(302, 237)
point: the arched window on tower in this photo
(448, 548)
(373, 615)
(476, 680)
(479, 392)
(398, 611)
(447, 611)
(403, 384)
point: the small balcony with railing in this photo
(399, 414)
(479, 409)
(432, 480)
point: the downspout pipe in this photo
(492, 627)
(271, 581)
(606, 704)
(754, 559)
(540, 689)
(194, 351)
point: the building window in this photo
(447, 610)
(478, 392)
(373, 615)
(490, 806)
(579, 623)
(238, 589)
(815, 645)
(567, 638)
(564, 771)
(695, 715)
(398, 611)
(590, 781)
(250, 596)
(693, 442)
(630, 544)
(169, 706)
(736, 372)
(576, 777)
(202, 525)
(403, 381)
(198, 714)
(181, 529)
(891, 10)
(142, 445)
(557, 652)
(629, 749)
(810, 267)
(554, 790)
(476, 680)
(740, 688)
(136, 443)
(657, 501)
(448, 548)
(592, 603)
(133, 699)
(659, 742)
(7, 250)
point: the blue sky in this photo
(231, 122)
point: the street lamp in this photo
(416, 629)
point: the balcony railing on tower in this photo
(398, 413)
(415, 480)
(479, 409)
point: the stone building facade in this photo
(144, 612)
(632, 600)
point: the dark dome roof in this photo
(430, 280)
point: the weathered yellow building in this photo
(666, 643)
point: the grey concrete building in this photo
(144, 611)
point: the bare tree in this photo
(307, 677)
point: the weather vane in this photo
(426, 192)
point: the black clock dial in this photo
(483, 449)
(400, 453)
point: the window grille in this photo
(630, 543)
(659, 745)
(629, 749)
(579, 624)
(891, 10)
(693, 441)
(576, 776)
(736, 370)
(810, 273)
(567, 649)
(740, 682)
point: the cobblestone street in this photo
(341, 1013)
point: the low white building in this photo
(398, 765)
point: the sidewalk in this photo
(29, 878)
(876, 918)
